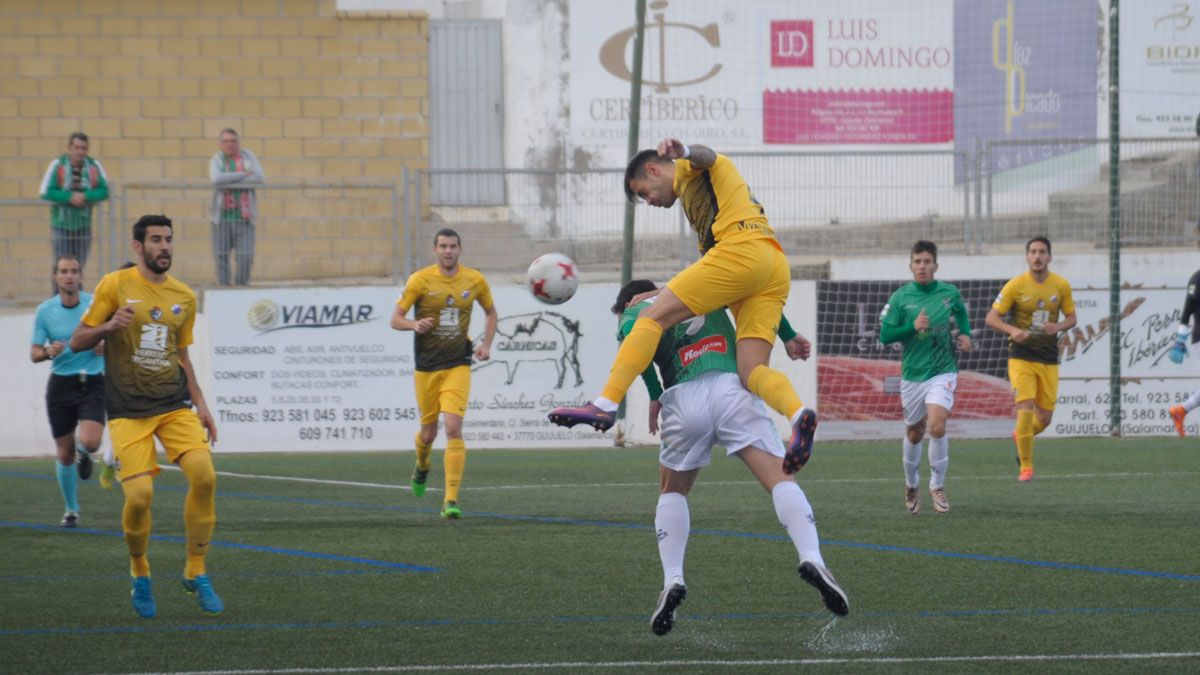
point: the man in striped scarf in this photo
(73, 183)
(234, 172)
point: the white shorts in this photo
(713, 409)
(938, 390)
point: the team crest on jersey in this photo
(466, 294)
(156, 314)
(1041, 304)
(946, 303)
(449, 300)
(1054, 298)
(176, 309)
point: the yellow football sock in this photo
(423, 451)
(775, 390)
(636, 352)
(199, 508)
(1038, 427)
(455, 460)
(1025, 420)
(135, 520)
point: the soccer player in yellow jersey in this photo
(145, 318)
(1036, 300)
(742, 267)
(443, 295)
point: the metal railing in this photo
(27, 248)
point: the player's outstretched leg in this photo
(799, 447)
(821, 579)
(588, 413)
(663, 618)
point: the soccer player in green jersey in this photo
(704, 404)
(918, 317)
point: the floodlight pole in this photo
(635, 118)
(1114, 217)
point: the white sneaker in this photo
(912, 500)
(70, 519)
(663, 618)
(821, 579)
(940, 503)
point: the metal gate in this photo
(466, 105)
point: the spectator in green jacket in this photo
(73, 183)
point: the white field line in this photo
(757, 663)
(803, 481)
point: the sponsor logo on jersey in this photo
(712, 343)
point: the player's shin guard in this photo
(796, 516)
(423, 451)
(939, 461)
(775, 390)
(1025, 420)
(635, 353)
(672, 522)
(455, 461)
(135, 520)
(199, 508)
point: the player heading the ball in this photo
(742, 267)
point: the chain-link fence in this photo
(29, 246)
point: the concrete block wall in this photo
(315, 93)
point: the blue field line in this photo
(582, 522)
(105, 578)
(234, 545)
(142, 628)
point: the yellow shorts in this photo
(751, 277)
(442, 391)
(133, 440)
(1037, 381)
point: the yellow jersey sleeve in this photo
(411, 293)
(483, 294)
(1004, 300)
(104, 302)
(1067, 305)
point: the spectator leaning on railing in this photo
(73, 183)
(234, 171)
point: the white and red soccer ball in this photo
(553, 278)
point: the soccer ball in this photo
(553, 278)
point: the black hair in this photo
(924, 246)
(629, 290)
(1041, 238)
(446, 232)
(78, 134)
(139, 228)
(637, 169)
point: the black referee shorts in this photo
(70, 398)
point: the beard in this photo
(158, 265)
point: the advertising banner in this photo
(321, 369)
(766, 73)
(858, 377)
(1160, 61)
(1024, 70)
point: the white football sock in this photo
(606, 405)
(912, 463)
(672, 521)
(939, 461)
(796, 516)
(1192, 401)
